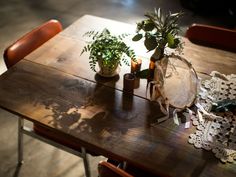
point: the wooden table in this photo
(55, 87)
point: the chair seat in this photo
(212, 36)
(31, 41)
(106, 169)
(137, 172)
(134, 171)
(49, 134)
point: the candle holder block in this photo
(128, 82)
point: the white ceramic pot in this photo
(106, 70)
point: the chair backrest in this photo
(106, 169)
(31, 41)
(212, 36)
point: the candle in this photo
(128, 82)
(136, 65)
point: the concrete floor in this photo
(20, 16)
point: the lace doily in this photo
(216, 132)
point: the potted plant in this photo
(160, 31)
(108, 51)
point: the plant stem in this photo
(158, 54)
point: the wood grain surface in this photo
(104, 120)
(54, 87)
(63, 53)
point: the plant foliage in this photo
(108, 48)
(159, 30)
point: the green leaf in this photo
(170, 40)
(149, 26)
(137, 37)
(150, 42)
(107, 47)
(162, 26)
(159, 13)
(176, 43)
(143, 74)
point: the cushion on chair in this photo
(212, 36)
(137, 172)
(31, 41)
(106, 169)
(52, 135)
(134, 171)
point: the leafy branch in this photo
(107, 47)
(159, 30)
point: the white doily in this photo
(215, 132)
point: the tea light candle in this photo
(128, 82)
(136, 65)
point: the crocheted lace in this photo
(215, 132)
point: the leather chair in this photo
(212, 36)
(13, 54)
(106, 169)
(31, 41)
(112, 168)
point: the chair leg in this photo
(123, 165)
(86, 163)
(20, 140)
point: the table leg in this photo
(86, 163)
(20, 140)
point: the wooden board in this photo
(55, 87)
(63, 53)
(103, 120)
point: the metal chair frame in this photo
(22, 129)
(50, 28)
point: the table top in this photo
(54, 86)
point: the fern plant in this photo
(159, 31)
(107, 48)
